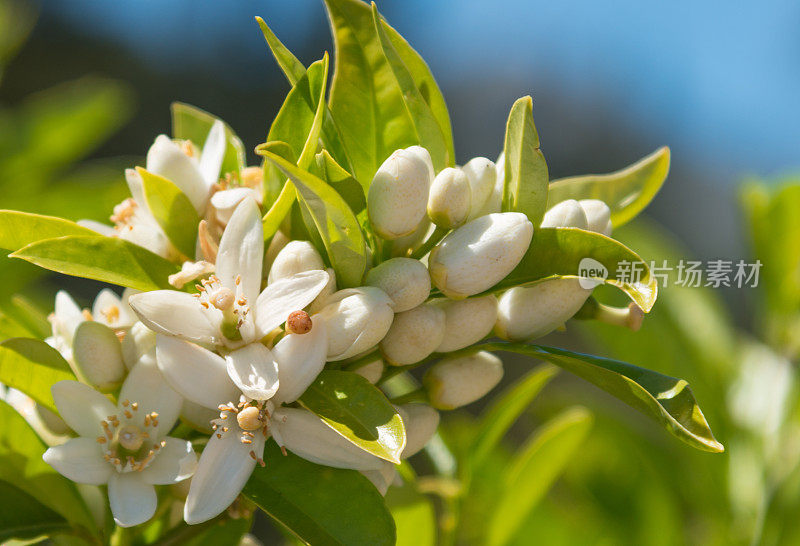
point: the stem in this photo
(437, 235)
(417, 395)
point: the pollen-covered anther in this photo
(111, 313)
(298, 322)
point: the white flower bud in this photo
(98, 356)
(449, 199)
(482, 175)
(371, 371)
(357, 319)
(421, 422)
(296, 257)
(567, 213)
(327, 291)
(423, 155)
(458, 381)
(278, 242)
(598, 215)
(479, 254)
(466, 321)
(404, 280)
(140, 342)
(398, 196)
(529, 312)
(414, 335)
(403, 245)
(494, 203)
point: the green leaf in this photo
(525, 186)
(534, 470)
(191, 123)
(414, 516)
(292, 68)
(336, 223)
(356, 409)
(19, 229)
(172, 210)
(228, 533)
(627, 192)
(367, 94)
(28, 315)
(22, 466)
(25, 517)
(558, 252)
(32, 366)
(666, 399)
(340, 180)
(106, 259)
(505, 409)
(319, 504)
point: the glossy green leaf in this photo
(356, 409)
(32, 366)
(336, 223)
(505, 409)
(9, 327)
(228, 532)
(28, 315)
(319, 504)
(25, 517)
(172, 210)
(558, 252)
(191, 123)
(326, 168)
(106, 259)
(666, 399)
(525, 186)
(367, 94)
(534, 470)
(627, 192)
(22, 466)
(19, 229)
(414, 516)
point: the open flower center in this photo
(246, 419)
(124, 213)
(234, 307)
(128, 438)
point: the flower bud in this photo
(356, 319)
(98, 356)
(403, 246)
(278, 242)
(482, 175)
(140, 342)
(466, 321)
(420, 421)
(598, 215)
(567, 213)
(529, 312)
(423, 155)
(449, 199)
(404, 280)
(371, 371)
(296, 257)
(458, 381)
(414, 335)
(398, 196)
(479, 254)
(494, 202)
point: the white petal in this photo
(382, 478)
(132, 500)
(174, 313)
(68, 316)
(146, 386)
(175, 462)
(198, 374)
(80, 460)
(98, 356)
(167, 159)
(225, 466)
(136, 186)
(300, 359)
(286, 295)
(254, 370)
(241, 250)
(82, 407)
(306, 435)
(126, 315)
(213, 153)
(226, 201)
(99, 227)
(147, 236)
(103, 303)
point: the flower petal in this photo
(67, 316)
(300, 359)
(225, 466)
(241, 250)
(167, 159)
(382, 478)
(254, 370)
(133, 501)
(146, 386)
(174, 313)
(213, 154)
(80, 460)
(226, 201)
(196, 373)
(99, 227)
(286, 295)
(102, 309)
(306, 435)
(175, 462)
(82, 407)
(136, 186)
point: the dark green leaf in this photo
(106, 259)
(627, 191)
(24, 517)
(356, 409)
(19, 229)
(32, 366)
(172, 210)
(320, 505)
(191, 123)
(525, 186)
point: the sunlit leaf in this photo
(191, 123)
(32, 366)
(414, 516)
(19, 229)
(173, 211)
(326, 168)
